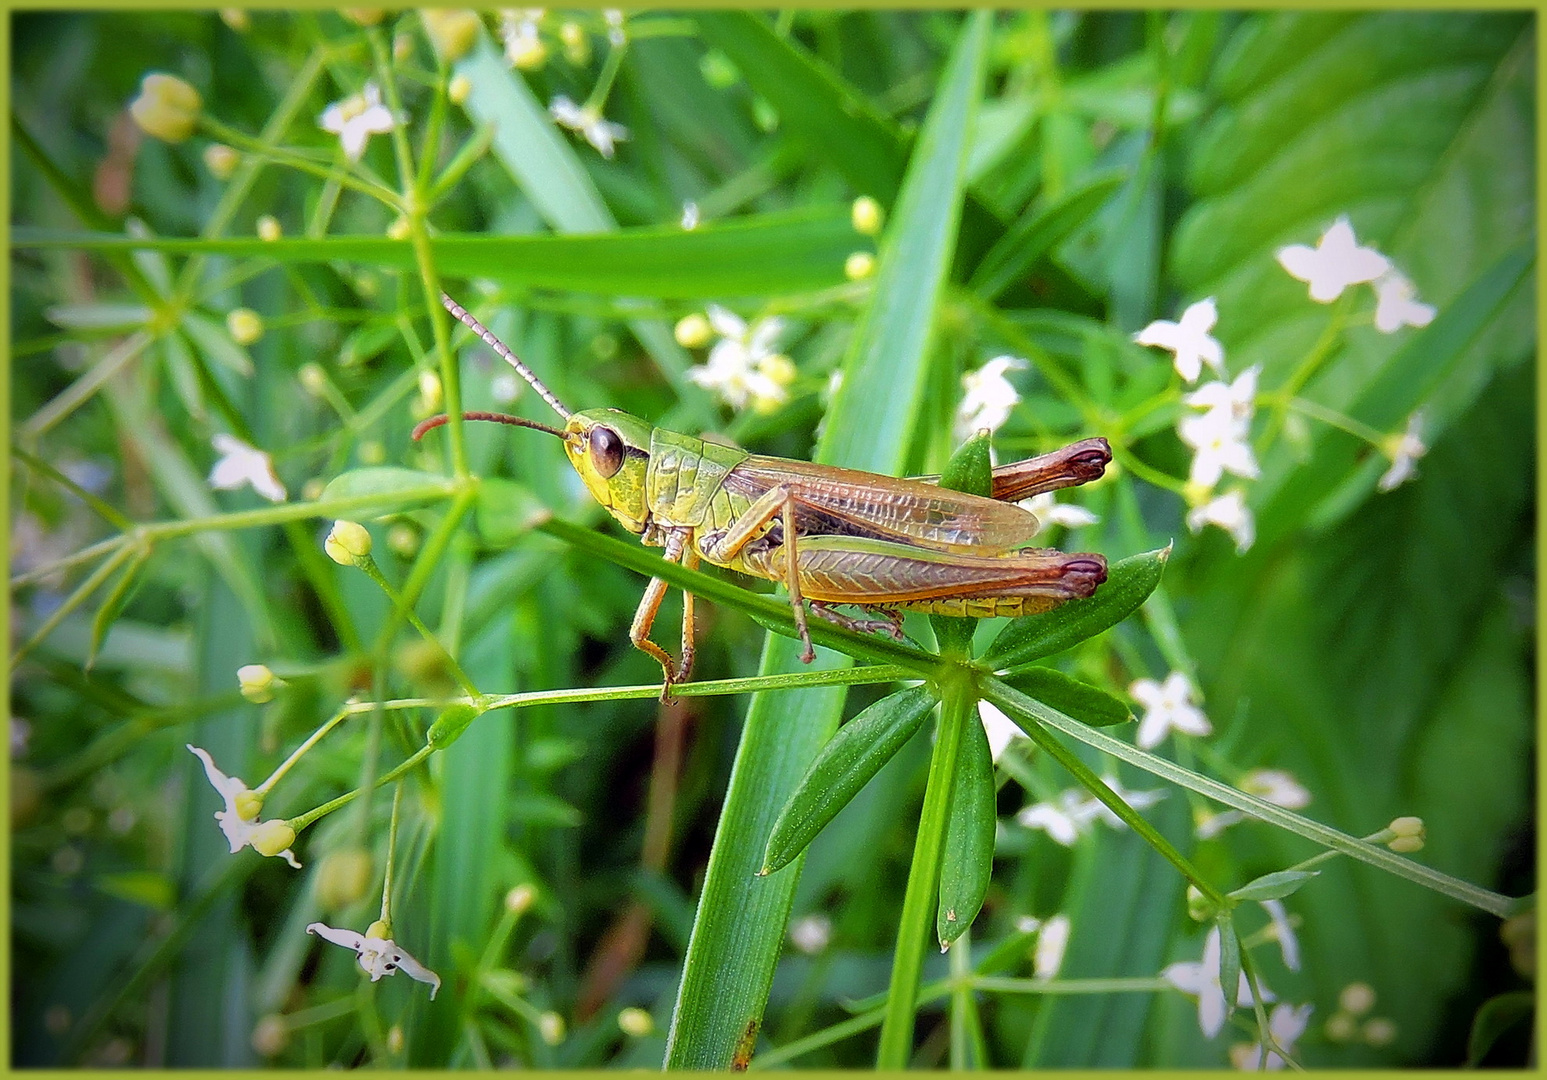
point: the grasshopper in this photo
(829, 535)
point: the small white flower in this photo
(1051, 512)
(1139, 800)
(690, 217)
(505, 387)
(811, 933)
(524, 47)
(1282, 930)
(1403, 450)
(1074, 811)
(1219, 446)
(1202, 978)
(1052, 942)
(1336, 262)
(241, 465)
(587, 120)
(999, 728)
(1027, 924)
(378, 954)
(1168, 706)
(1397, 304)
(1207, 825)
(355, 119)
(1286, 1023)
(1065, 820)
(1189, 339)
(614, 19)
(743, 367)
(989, 396)
(239, 820)
(1230, 513)
(1276, 786)
(1237, 399)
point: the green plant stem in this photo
(372, 571)
(73, 601)
(80, 391)
(266, 152)
(1008, 698)
(957, 701)
(386, 874)
(299, 823)
(300, 751)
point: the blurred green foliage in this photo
(1068, 178)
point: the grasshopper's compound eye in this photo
(606, 452)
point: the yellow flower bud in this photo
(364, 16)
(866, 215)
(272, 838)
(167, 108)
(348, 542)
(245, 325)
(312, 490)
(404, 539)
(398, 230)
(1340, 1027)
(1406, 845)
(236, 18)
(693, 331)
(577, 46)
(343, 878)
(271, 1035)
(1195, 494)
(551, 1026)
(248, 804)
(859, 266)
(221, 160)
(257, 683)
(636, 1022)
(1357, 998)
(1410, 835)
(530, 54)
(268, 228)
(1379, 1031)
(379, 930)
(779, 368)
(313, 379)
(520, 898)
(458, 89)
(451, 31)
(430, 390)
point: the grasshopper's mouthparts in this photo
(497, 417)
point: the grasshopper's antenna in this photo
(500, 418)
(504, 352)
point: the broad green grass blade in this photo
(731, 960)
(759, 255)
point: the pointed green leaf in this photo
(971, 470)
(968, 859)
(1035, 234)
(506, 510)
(1274, 886)
(1070, 696)
(113, 606)
(1129, 583)
(846, 764)
(216, 343)
(1229, 961)
(1494, 1017)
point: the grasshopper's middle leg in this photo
(644, 618)
(775, 502)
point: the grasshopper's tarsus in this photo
(889, 623)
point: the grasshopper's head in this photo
(611, 451)
(608, 448)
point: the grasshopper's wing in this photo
(854, 570)
(847, 502)
(1078, 463)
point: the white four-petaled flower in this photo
(1236, 400)
(378, 954)
(1074, 810)
(989, 396)
(239, 820)
(240, 465)
(1277, 786)
(1219, 446)
(1051, 512)
(1397, 304)
(1230, 512)
(1336, 262)
(743, 366)
(1404, 450)
(355, 119)
(1283, 931)
(1188, 339)
(1168, 706)
(587, 119)
(1202, 978)
(1286, 1023)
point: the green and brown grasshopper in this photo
(829, 535)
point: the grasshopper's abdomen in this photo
(686, 481)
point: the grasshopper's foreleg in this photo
(775, 502)
(644, 617)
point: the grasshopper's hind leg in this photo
(775, 502)
(644, 619)
(889, 623)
